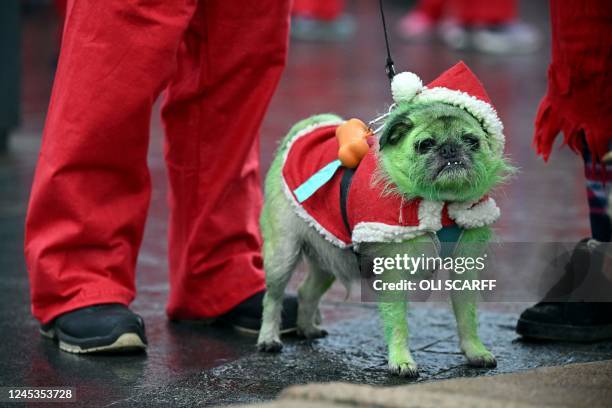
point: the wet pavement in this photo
(190, 363)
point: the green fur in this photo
(473, 244)
(392, 306)
(411, 172)
(393, 309)
(396, 335)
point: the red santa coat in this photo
(372, 214)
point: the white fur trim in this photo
(379, 232)
(307, 130)
(430, 220)
(430, 215)
(405, 86)
(466, 215)
(299, 210)
(476, 107)
(469, 215)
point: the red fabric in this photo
(475, 12)
(470, 12)
(307, 155)
(460, 78)
(60, 7)
(434, 9)
(318, 9)
(366, 203)
(578, 101)
(220, 62)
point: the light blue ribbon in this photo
(316, 181)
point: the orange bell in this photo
(352, 138)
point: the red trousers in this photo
(470, 12)
(319, 9)
(219, 63)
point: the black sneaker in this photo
(246, 316)
(99, 328)
(561, 315)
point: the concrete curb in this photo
(574, 385)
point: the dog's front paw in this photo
(311, 332)
(486, 360)
(478, 356)
(270, 346)
(406, 369)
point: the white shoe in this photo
(507, 39)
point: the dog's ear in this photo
(395, 131)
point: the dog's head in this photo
(440, 152)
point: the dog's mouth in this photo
(451, 167)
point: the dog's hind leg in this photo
(281, 255)
(471, 245)
(310, 292)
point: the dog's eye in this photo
(395, 132)
(471, 140)
(425, 145)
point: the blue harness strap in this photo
(316, 181)
(449, 238)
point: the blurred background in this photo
(336, 64)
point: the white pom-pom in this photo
(405, 86)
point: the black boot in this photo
(99, 328)
(563, 315)
(246, 316)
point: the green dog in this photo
(440, 152)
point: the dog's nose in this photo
(448, 151)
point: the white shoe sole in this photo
(125, 342)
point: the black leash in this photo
(389, 67)
(345, 186)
